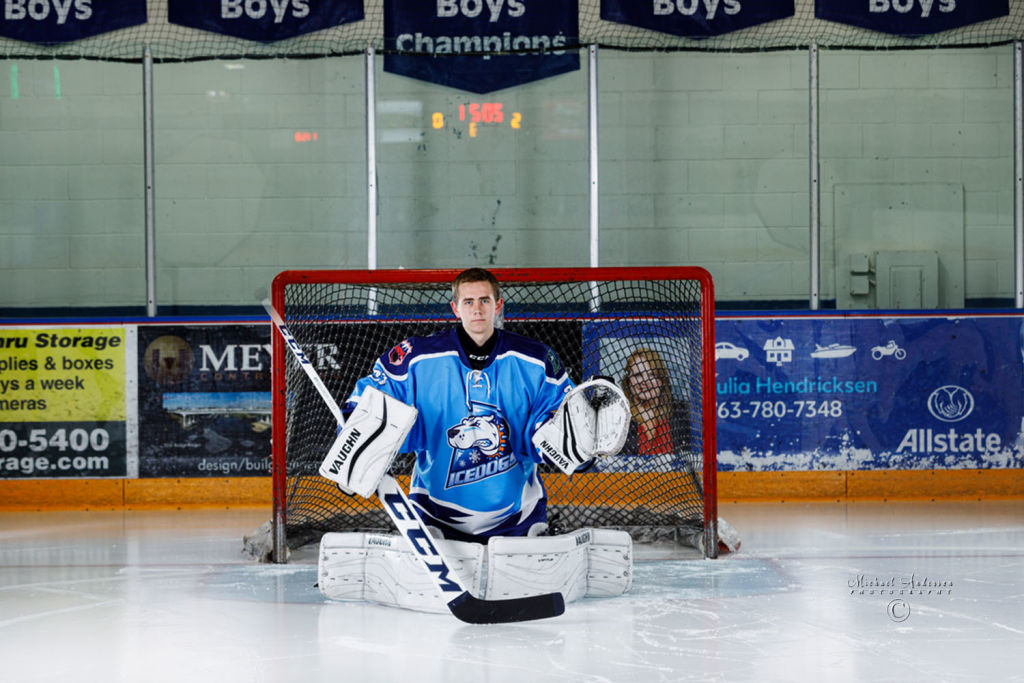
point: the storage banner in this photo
(910, 17)
(451, 37)
(853, 393)
(204, 400)
(263, 20)
(62, 403)
(695, 18)
(60, 21)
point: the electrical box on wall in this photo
(880, 229)
(907, 279)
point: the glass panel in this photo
(506, 189)
(917, 178)
(71, 185)
(260, 168)
(704, 163)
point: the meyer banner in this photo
(263, 20)
(62, 403)
(451, 37)
(59, 21)
(204, 400)
(910, 17)
(695, 18)
(856, 393)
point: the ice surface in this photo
(823, 592)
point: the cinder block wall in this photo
(261, 166)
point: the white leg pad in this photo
(610, 572)
(382, 568)
(585, 563)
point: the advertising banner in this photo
(263, 20)
(60, 21)
(695, 18)
(451, 37)
(853, 393)
(204, 400)
(910, 17)
(62, 403)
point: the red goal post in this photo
(595, 319)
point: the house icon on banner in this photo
(779, 350)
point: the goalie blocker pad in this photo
(383, 569)
(592, 421)
(366, 446)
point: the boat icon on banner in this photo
(832, 351)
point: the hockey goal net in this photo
(661, 487)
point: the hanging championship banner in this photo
(867, 393)
(263, 20)
(910, 17)
(62, 403)
(695, 18)
(541, 37)
(61, 21)
(204, 400)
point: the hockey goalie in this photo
(481, 408)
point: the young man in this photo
(481, 392)
(477, 405)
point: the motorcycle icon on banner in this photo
(890, 349)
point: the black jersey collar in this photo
(477, 356)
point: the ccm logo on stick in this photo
(420, 542)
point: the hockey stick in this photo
(464, 605)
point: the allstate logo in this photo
(950, 403)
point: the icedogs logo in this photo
(950, 403)
(480, 449)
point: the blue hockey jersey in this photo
(476, 469)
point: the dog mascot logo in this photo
(480, 449)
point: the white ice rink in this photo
(168, 596)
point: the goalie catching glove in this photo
(592, 421)
(367, 444)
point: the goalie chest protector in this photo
(476, 469)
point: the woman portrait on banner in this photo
(659, 434)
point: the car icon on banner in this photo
(727, 350)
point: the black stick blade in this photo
(473, 610)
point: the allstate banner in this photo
(263, 20)
(851, 393)
(450, 39)
(60, 21)
(910, 17)
(695, 18)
